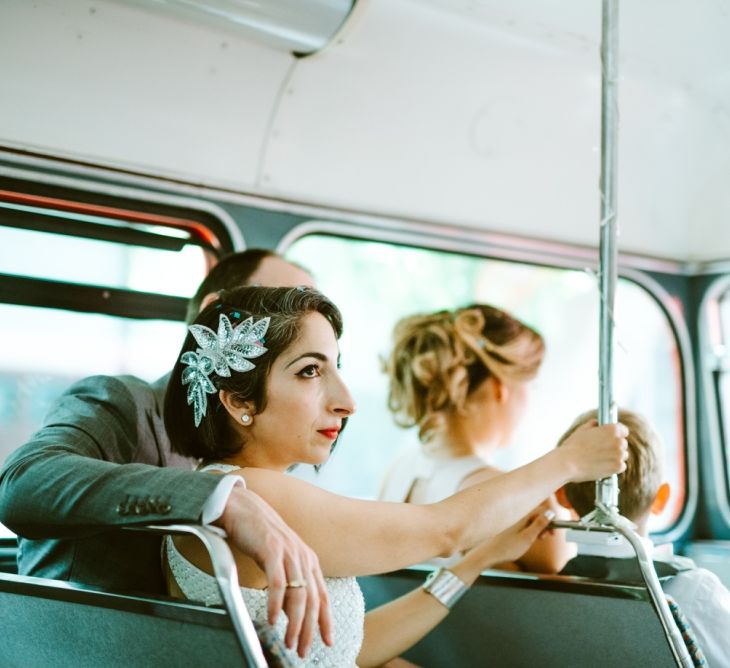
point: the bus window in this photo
(72, 306)
(95, 262)
(376, 283)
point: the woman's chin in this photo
(320, 456)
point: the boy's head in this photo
(641, 485)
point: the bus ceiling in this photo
(481, 114)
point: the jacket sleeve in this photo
(91, 466)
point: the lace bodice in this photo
(346, 600)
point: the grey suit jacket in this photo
(66, 495)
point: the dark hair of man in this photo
(214, 438)
(639, 483)
(231, 271)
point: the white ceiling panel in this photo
(487, 114)
(113, 83)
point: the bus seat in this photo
(49, 622)
(8, 555)
(52, 623)
(511, 620)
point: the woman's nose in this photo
(342, 402)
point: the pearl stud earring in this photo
(246, 419)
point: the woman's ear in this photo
(661, 498)
(236, 409)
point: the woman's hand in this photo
(593, 452)
(512, 543)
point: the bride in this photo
(257, 390)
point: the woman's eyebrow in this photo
(318, 356)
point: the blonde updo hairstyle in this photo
(439, 359)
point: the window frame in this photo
(207, 225)
(718, 432)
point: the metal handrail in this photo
(226, 576)
(651, 580)
(607, 489)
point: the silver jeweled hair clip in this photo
(229, 349)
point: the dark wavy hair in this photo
(214, 438)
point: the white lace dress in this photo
(346, 601)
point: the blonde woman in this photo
(462, 379)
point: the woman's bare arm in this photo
(396, 626)
(354, 537)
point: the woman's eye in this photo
(311, 371)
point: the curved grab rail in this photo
(651, 580)
(226, 575)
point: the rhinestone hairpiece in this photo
(228, 350)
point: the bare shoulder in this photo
(277, 487)
(480, 475)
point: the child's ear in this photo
(661, 498)
(562, 498)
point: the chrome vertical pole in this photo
(607, 489)
(605, 517)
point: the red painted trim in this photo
(197, 230)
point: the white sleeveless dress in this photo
(437, 477)
(422, 479)
(346, 601)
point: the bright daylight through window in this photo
(46, 349)
(377, 283)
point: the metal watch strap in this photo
(445, 587)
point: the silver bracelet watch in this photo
(445, 587)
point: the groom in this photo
(102, 460)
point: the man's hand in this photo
(255, 528)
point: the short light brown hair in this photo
(639, 483)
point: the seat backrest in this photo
(50, 623)
(8, 555)
(513, 620)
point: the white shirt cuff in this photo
(216, 502)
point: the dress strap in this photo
(223, 468)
